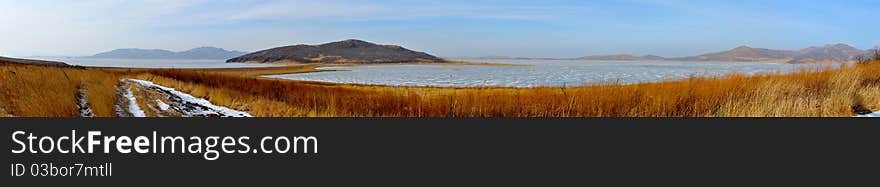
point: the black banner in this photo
(416, 152)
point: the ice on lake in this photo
(538, 73)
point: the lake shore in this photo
(45, 91)
(288, 67)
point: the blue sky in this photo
(547, 28)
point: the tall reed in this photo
(27, 90)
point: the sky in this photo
(449, 28)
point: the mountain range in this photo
(358, 51)
(195, 53)
(347, 51)
(836, 53)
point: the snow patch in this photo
(133, 107)
(162, 105)
(189, 105)
(83, 105)
(871, 115)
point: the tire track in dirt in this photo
(82, 103)
(126, 103)
(165, 102)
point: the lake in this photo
(538, 73)
(155, 63)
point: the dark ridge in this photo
(7, 60)
(347, 51)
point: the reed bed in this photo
(29, 90)
(809, 92)
(42, 91)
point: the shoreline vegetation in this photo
(29, 90)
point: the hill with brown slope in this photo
(828, 53)
(743, 54)
(348, 51)
(30, 61)
(836, 53)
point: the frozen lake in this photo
(539, 73)
(155, 63)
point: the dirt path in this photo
(82, 103)
(126, 103)
(140, 98)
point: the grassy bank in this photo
(38, 91)
(46, 91)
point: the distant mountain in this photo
(209, 53)
(743, 54)
(348, 51)
(196, 53)
(828, 53)
(837, 53)
(136, 53)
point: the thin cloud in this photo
(337, 10)
(547, 27)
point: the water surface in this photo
(538, 73)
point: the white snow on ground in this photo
(83, 105)
(871, 115)
(186, 98)
(162, 105)
(133, 107)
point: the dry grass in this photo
(836, 92)
(39, 91)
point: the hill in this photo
(196, 53)
(29, 61)
(828, 53)
(743, 54)
(348, 51)
(837, 53)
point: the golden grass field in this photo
(41, 91)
